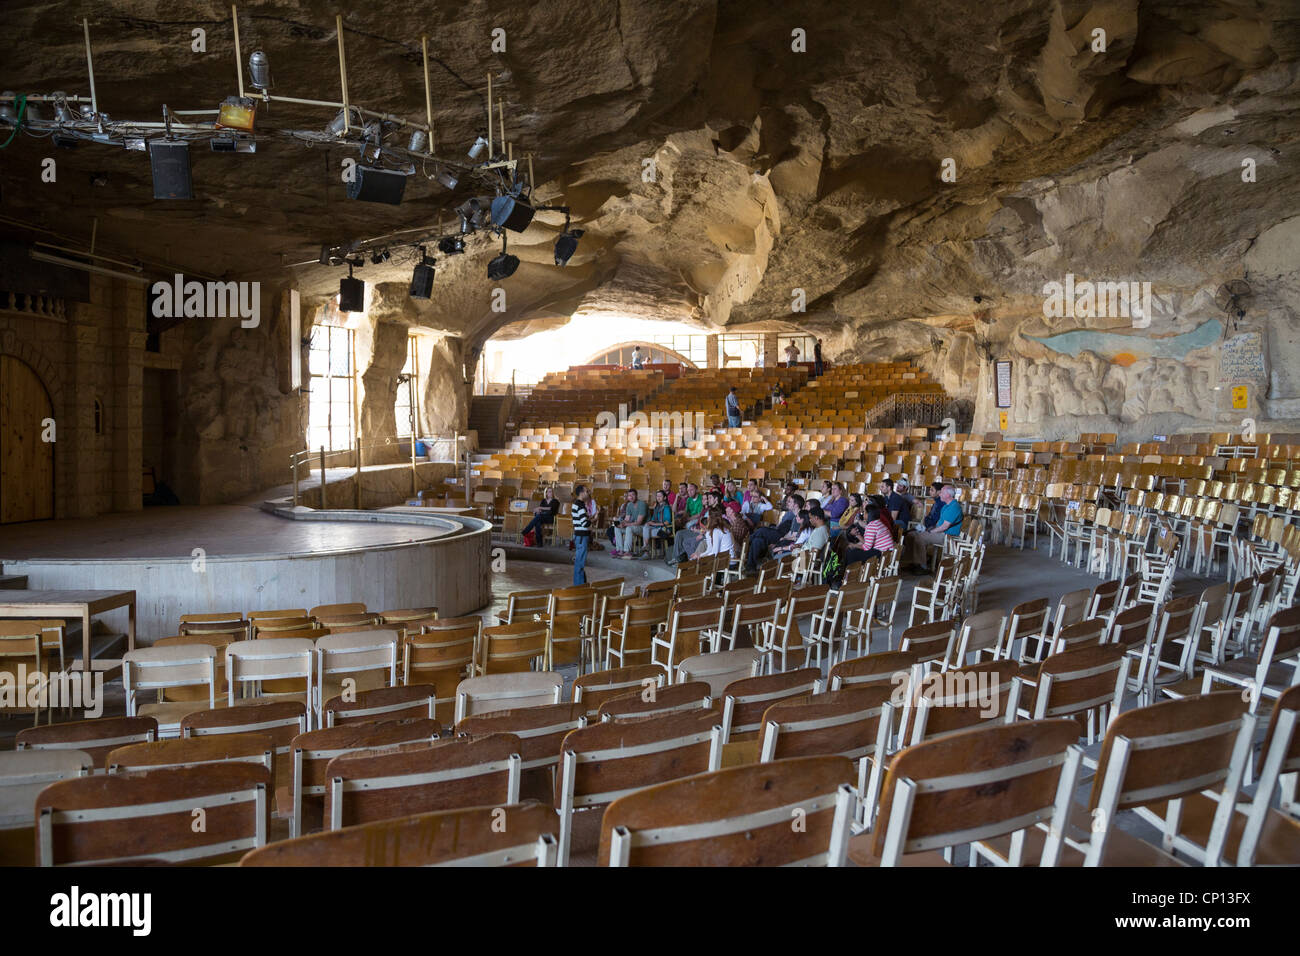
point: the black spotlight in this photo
(352, 293)
(451, 245)
(378, 258)
(502, 266)
(566, 246)
(422, 278)
(512, 213)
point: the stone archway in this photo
(647, 347)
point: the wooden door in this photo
(26, 458)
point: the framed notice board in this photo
(1003, 370)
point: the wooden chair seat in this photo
(862, 854)
(172, 712)
(1279, 842)
(1122, 848)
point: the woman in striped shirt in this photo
(876, 537)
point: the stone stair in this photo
(485, 418)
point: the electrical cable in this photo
(22, 110)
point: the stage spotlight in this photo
(502, 266)
(447, 179)
(236, 112)
(352, 293)
(377, 258)
(474, 211)
(422, 277)
(419, 138)
(512, 213)
(479, 148)
(7, 113)
(566, 246)
(259, 70)
(335, 127)
(223, 144)
(451, 245)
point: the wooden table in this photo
(69, 604)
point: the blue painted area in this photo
(1111, 343)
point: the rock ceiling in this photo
(772, 170)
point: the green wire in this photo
(21, 100)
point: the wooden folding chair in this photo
(251, 665)
(655, 702)
(23, 775)
(96, 738)
(194, 752)
(1086, 683)
(540, 731)
(688, 622)
(631, 636)
(605, 761)
(740, 816)
(312, 752)
(855, 722)
(566, 611)
(889, 667)
(407, 702)
(973, 786)
(932, 641)
(444, 775)
(513, 648)
(117, 818)
(593, 689)
(745, 700)
(507, 692)
(159, 668)
(352, 663)
(720, 669)
(443, 655)
(517, 835)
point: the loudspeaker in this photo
(352, 295)
(377, 185)
(171, 170)
(502, 266)
(422, 281)
(514, 214)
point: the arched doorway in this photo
(26, 456)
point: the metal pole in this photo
(410, 394)
(489, 105)
(294, 461)
(322, 477)
(239, 64)
(356, 414)
(501, 112)
(343, 72)
(90, 66)
(428, 96)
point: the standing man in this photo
(581, 534)
(791, 355)
(818, 367)
(636, 357)
(950, 518)
(733, 408)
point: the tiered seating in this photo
(704, 392)
(846, 393)
(580, 395)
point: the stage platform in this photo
(221, 558)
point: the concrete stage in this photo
(193, 559)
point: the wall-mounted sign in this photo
(1002, 420)
(1240, 396)
(1003, 370)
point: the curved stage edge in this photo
(449, 570)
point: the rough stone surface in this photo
(716, 172)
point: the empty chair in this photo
(444, 654)
(444, 775)
(506, 692)
(592, 690)
(175, 665)
(979, 635)
(566, 611)
(540, 730)
(1028, 623)
(323, 612)
(942, 702)
(194, 751)
(383, 703)
(884, 667)
(657, 701)
(1275, 668)
(96, 738)
(931, 641)
(855, 722)
(521, 606)
(512, 648)
(517, 835)
(630, 638)
(1070, 609)
(403, 618)
(121, 817)
(1086, 683)
(881, 609)
(745, 700)
(1091, 631)
(688, 623)
(229, 623)
(349, 663)
(751, 614)
(281, 720)
(23, 775)
(740, 816)
(720, 669)
(251, 663)
(312, 752)
(604, 761)
(784, 637)
(975, 785)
